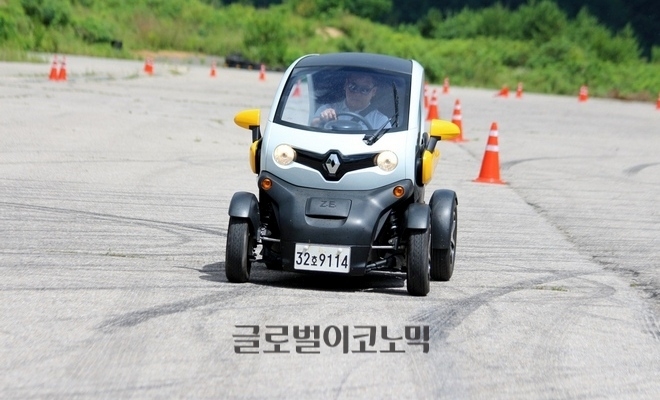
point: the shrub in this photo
(9, 22)
(464, 25)
(265, 38)
(94, 30)
(48, 12)
(621, 48)
(655, 54)
(539, 22)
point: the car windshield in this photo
(345, 100)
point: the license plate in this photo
(318, 257)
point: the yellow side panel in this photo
(429, 161)
(254, 153)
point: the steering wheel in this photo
(347, 124)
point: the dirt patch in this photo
(175, 56)
(329, 32)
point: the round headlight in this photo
(284, 154)
(387, 161)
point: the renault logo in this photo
(332, 163)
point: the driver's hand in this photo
(328, 114)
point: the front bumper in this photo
(351, 218)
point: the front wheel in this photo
(239, 248)
(418, 251)
(442, 260)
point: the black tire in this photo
(442, 260)
(417, 261)
(239, 247)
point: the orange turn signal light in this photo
(266, 184)
(398, 191)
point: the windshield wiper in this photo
(371, 139)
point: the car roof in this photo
(362, 60)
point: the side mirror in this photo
(442, 130)
(250, 119)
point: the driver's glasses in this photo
(359, 89)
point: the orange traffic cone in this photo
(262, 73)
(519, 90)
(584, 93)
(426, 95)
(53, 70)
(213, 73)
(149, 66)
(296, 90)
(657, 104)
(457, 118)
(504, 92)
(490, 166)
(62, 74)
(433, 107)
(445, 86)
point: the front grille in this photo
(333, 165)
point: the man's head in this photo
(360, 89)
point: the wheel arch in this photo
(246, 205)
(417, 216)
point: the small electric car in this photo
(341, 167)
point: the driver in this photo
(360, 88)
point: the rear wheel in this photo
(442, 260)
(418, 252)
(239, 248)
